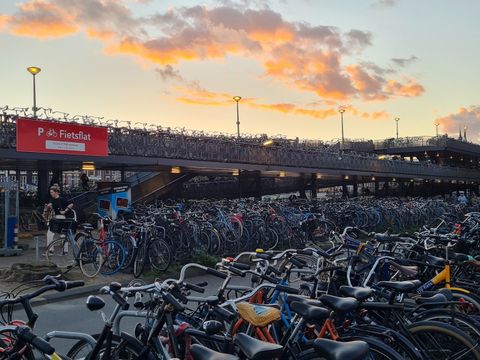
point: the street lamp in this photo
(341, 111)
(34, 70)
(397, 119)
(436, 123)
(237, 99)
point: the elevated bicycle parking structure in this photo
(156, 149)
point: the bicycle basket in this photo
(61, 225)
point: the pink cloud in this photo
(455, 122)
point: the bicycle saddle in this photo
(256, 349)
(310, 311)
(433, 300)
(338, 304)
(356, 292)
(435, 261)
(387, 238)
(86, 227)
(459, 257)
(407, 271)
(299, 298)
(445, 292)
(399, 286)
(335, 350)
(200, 352)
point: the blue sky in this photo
(119, 75)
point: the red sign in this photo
(59, 138)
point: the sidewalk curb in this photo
(93, 290)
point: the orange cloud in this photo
(3, 21)
(196, 95)
(41, 19)
(282, 107)
(299, 55)
(100, 34)
(317, 114)
(410, 89)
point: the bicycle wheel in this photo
(203, 243)
(159, 255)
(468, 309)
(60, 253)
(140, 259)
(90, 258)
(437, 340)
(81, 349)
(128, 243)
(468, 324)
(114, 257)
(271, 239)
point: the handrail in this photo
(183, 176)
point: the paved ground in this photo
(72, 315)
(29, 256)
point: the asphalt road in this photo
(73, 315)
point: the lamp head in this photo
(237, 98)
(33, 70)
(341, 111)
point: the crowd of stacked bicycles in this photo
(155, 236)
(358, 294)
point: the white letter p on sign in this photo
(40, 131)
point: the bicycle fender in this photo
(459, 290)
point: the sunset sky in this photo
(294, 62)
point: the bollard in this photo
(37, 248)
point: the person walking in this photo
(59, 208)
(84, 179)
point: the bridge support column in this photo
(42, 188)
(386, 188)
(122, 175)
(355, 185)
(303, 194)
(377, 188)
(345, 189)
(401, 187)
(258, 185)
(313, 186)
(425, 189)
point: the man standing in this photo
(84, 179)
(61, 208)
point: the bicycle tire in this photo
(114, 257)
(447, 335)
(60, 253)
(472, 298)
(139, 261)
(90, 258)
(159, 255)
(81, 349)
(467, 324)
(128, 243)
